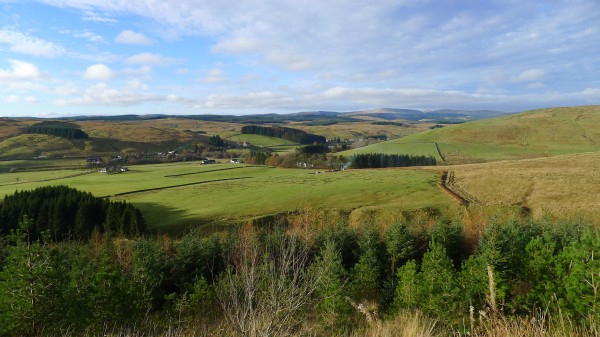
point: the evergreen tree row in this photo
(381, 160)
(293, 135)
(64, 130)
(66, 213)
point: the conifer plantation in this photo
(65, 213)
(295, 135)
(337, 281)
(58, 129)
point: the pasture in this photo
(175, 196)
(561, 186)
(532, 134)
(279, 145)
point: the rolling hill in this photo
(531, 134)
(561, 186)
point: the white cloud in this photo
(29, 45)
(20, 71)
(593, 92)
(98, 72)
(173, 98)
(12, 99)
(25, 86)
(288, 61)
(131, 37)
(360, 53)
(66, 90)
(150, 59)
(238, 45)
(262, 99)
(90, 36)
(530, 75)
(141, 71)
(215, 75)
(536, 85)
(136, 84)
(103, 95)
(95, 17)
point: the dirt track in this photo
(444, 183)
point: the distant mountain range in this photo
(450, 115)
(435, 115)
(323, 117)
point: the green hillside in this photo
(536, 133)
(175, 196)
(29, 145)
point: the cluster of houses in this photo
(112, 167)
(167, 154)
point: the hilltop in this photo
(531, 134)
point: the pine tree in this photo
(334, 309)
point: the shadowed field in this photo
(222, 194)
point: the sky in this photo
(112, 57)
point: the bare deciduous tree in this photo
(268, 289)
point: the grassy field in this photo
(279, 145)
(223, 193)
(562, 186)
(40, 164)
(538, 133)
(423, 149)
(363, 129)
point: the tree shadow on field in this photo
(159, 217)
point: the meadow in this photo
(561, 186)
(532, 134)
(179, 195)
(278, 145)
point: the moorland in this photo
(250, 234)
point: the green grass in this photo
(538, 133)
(414, 148)
(26, 165)
(33, 145)
(256, 192)
(278, 145)
(260, 140)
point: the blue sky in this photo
(83, 57)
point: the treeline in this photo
(293, 135)
(381, 160)
(298, 159)
(66, 213)
(387, 123)
(313, 149)
(257, 281)
(58, 129)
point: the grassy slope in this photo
(109, 137)
(536, 133)
(362, 129)
(260, 140)
(32, 145)
(566, 185)
(263, 191)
